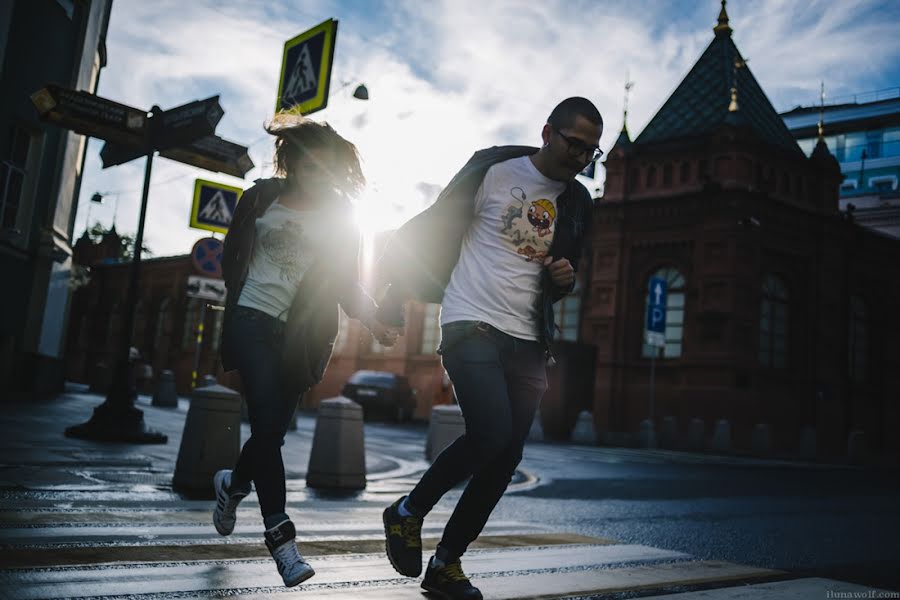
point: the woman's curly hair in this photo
(296, 135)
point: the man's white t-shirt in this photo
(498, 277)
(287, 241)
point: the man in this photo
(499, 246)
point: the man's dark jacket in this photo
(331, 281)
(420, 257)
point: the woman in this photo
(290, 260)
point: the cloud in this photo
(449, 77)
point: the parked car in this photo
(381, 394)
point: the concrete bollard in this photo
(668, 436)
(211, 439)
(165, 395)
(857, 447)
(338, 456)
(761, 439)
(808, 442)
(722, 436)
(583, 433)
(647, 434)
(445, 426)
(696, 435)
(536, 433)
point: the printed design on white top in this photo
(528, 226)
(286, 248)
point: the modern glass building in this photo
(864, 136)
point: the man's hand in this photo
(561, 271)
(385, 335)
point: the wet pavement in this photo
(89, 520)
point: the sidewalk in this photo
(85, 519)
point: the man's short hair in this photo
(565, 112)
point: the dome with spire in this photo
(719, 89)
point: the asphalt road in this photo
(834, 522)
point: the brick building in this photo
(780, 308)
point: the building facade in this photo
(41, 41)
(779, 307)
(864, 137)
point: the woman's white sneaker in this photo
(281, 544)
(225, 514)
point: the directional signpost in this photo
(655, 329)
(92, 115)
(131, 133)
(306, 70)
(214, 205)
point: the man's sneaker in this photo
(291, 566)
(225, 514)
(403, 540)
(449, 582)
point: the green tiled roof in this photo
(700, 103)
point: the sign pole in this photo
(652, 379)
(117, 418)
(199, 344)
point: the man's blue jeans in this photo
(499, 382)
(258, 339)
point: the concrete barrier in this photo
(445, 426)
(668, 435)
(857, 447)
(166, 395)
(722, 436)
(808, 448)
(338, 456)
(647, 434)
(761, 439)
(208, 380)
(696, 435)
(211, 439)
(584, 433)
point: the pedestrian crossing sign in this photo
(214, 205)
(306, 70)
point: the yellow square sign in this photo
(306, 70)
(214, 205)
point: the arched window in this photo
(217, 324)
(667, 175)
(431, 328)
(858, 342)
(685, 171)
(340, 342)
(161, 327)
(651, 176)
(675, 290)
(567, 313)
(773, 323)
(191, 321)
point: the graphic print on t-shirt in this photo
(527, 226)
(284, 247)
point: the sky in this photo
(448, 77)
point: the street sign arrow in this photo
(92, 115)
(187, 123)
(213, 154)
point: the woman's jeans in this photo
(257, 339)
(499, 381)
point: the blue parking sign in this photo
(655, 329)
